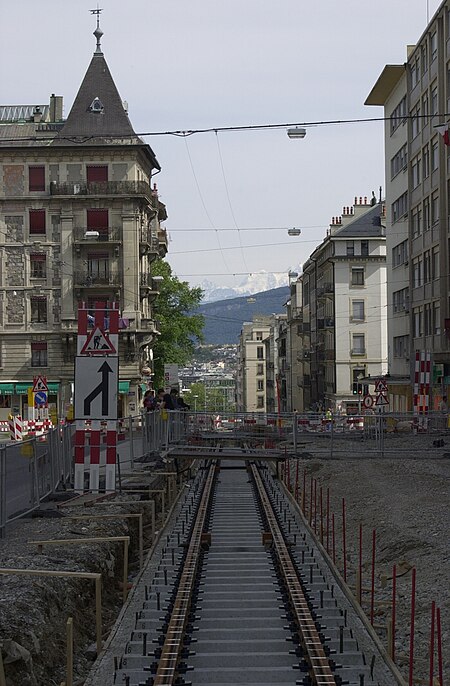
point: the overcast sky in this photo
(190, 64)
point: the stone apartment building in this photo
(416, 100)
(79, 222)
(342, 324)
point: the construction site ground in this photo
(403, 495)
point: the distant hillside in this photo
(224, 318)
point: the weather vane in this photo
(98, 33)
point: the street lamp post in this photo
(195, 402)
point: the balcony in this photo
(163, 242)
(109, 235)
(82, 278)
(149, 240)
(104, 188)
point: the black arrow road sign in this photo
(103, 388)
(96, 382)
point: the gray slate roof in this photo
(367, 225)
(112, 121)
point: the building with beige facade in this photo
(79, 222)
(416, 97)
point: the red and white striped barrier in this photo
(15, 428)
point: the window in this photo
(417, 272)
(357, 276)
(426, 161)
(415, 121)
(425, 109)
(38, 309)
(364, 248)
(434, 154)
(415, 70)
(436, 317)
(434, 99)
(434, 208)
(260, 352)
(416, 221)
(399, 161)
(36, 178)
(96, 173)
(400, 206)
(358, 347)
(98, 266)
(433, 45)
(400, 254)
(38, 354)
(260, 385)
(400, 300)
(350, 248)
(417, 322)
(415, 171)
(259, 335)
(427, 266)
(424, 55)
(37, 221)
(260, 401)
(426, 215)
(358, 310)
(398, 115)
(260, 369)
(97, 220)
(401, 346)
(428, 321)
(435, 263)
(37, 266)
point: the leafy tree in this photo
(181, 328)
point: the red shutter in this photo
(36, 178)
(37, 257)
(96, 173)
(97, 220)
(38, 345)
(37, 221)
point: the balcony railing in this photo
(85, 279)
(149, 238)
(109, 235)
(103, 188)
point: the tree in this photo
(180, 327)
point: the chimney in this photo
(37, 114)
(56, 108)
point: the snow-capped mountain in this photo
(253, 283)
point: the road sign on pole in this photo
(96, 385)
(40, 384)
(368, 401)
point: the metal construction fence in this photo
(32, 469)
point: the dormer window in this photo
(96, 105)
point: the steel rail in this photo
(320, 670)
(173, 643)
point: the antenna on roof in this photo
(98, 33)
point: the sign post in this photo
(96, 389)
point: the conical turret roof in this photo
(97, 110)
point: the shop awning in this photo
(22, 388)
(124, 386)
(6, 388)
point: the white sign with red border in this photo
(40, 384)
(367, 402)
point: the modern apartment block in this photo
(343, 317)
(416, 98)
(79, 222)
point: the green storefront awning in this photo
(22, 388)
(6, 388)
(124, 386)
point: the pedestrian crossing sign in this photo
(98, 343)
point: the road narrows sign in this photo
(96, 385)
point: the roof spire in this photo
(98, 33)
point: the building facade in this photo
(416, 98)
(343, 327)
(79, 222)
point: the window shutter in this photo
(36, 178)
(37, 221)
(96, 173)
(97, 220)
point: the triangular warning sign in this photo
(381, 400)
(98, 343)
(40, 384)
(380, 386)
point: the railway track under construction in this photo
(241, 593)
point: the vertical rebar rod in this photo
(372, 585)
(411, 630)
(344, 545)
